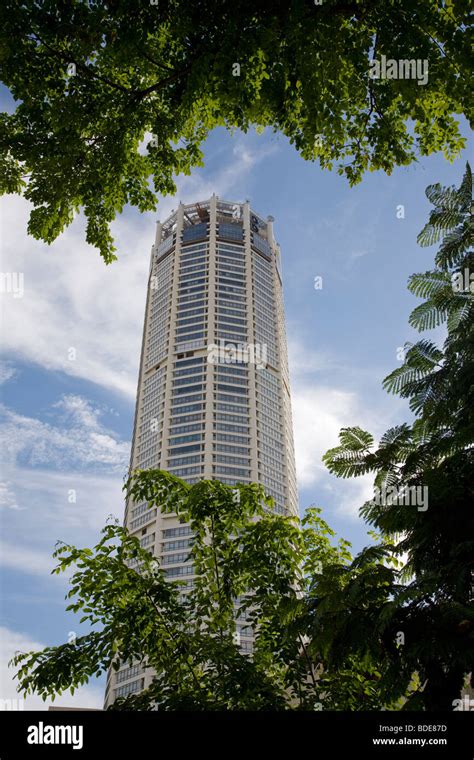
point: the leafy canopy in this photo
(91, 80)
(433, 606)
(252, 569)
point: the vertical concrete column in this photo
(249, 287)
(284, 385)
(141, 373)
(270, 236)
(158, 233)
(171, 337)
(211, 338)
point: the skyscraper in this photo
(213, 397)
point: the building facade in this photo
(213, 397)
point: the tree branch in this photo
(81, 66)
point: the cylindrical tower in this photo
(213, 397)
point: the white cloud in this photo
(304, 361)
(72, 300)
(82, 442)
(48, 515)
(7, 371)
(318, 415)
(7, 496)
(25, 559)
(41, 506)
(90, 696)
(349, 495)
(328, 395)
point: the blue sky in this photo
(72, 343)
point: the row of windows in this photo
(230, 278)
(198, 299)
(232, 337)
(192, 292)
(173, 559)
(238, 418)
(192, 459)
(230, 230)
(230, 460)
(217, 469)
(124, 675)
(193, 247)
(225, 319)
(184, 281)
(235, 250)
(189, 259)
(184, 543)
(183, 472)
(189, 310)
(189, 345)
(261, 291)
(232, 399)
(189, 399)
(195, 232)
(231, 438)
(234, 385)
(233, 428)
(266, 404)
(130, 688)
(186, 429)
(232, 450)
(196, 375)
(267, 415)
(233, 369)
(271, 442)
(240, 387)
(226, 299)
(197, 378)
(143, 519)
(187, 389)
(183, 372)
(140, 509)
(275, 464)
(231, 312)
(174, 572)
(229, 408)
(185, 439)
(181, 530)
(183, 334)
(185, 450)
(182, 321)
(185, 409)
(266, 337)
(227, 288)
(195, 361)
(225, 267)
(186, 418)
(193, 264)
(232, 481)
